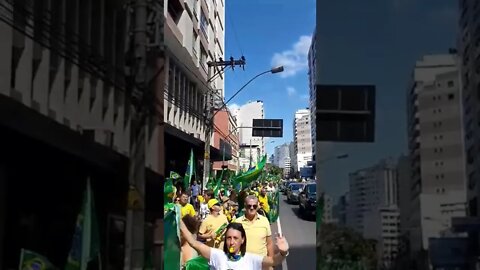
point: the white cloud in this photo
(294, 59)
(305, 96)
(291, 91)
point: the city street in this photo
(300, 234)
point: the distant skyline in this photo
(259, 31)
(377, 42)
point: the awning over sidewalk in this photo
(215, 154)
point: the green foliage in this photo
(274, 170)
(343, 248)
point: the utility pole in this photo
(144, 39)
(135, 227)
(210, 114)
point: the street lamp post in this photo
(210, 119)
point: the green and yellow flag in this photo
(274, 202)
(86, 240)
(30, 260)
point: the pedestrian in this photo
(211, 224)
(263, 199)
(257, 227)
(187, 252)
(195, 191)
(234, 255)
(204, 210)
(187, 209)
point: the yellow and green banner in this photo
(30, 260)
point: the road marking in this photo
(279, 230)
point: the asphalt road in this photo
(300, 234)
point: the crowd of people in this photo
(216, 226)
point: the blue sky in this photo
(269, 33)
(377, 42)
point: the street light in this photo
(209, 122)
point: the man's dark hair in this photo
(191, 223)
(209, 193)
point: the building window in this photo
(203, 58)
(175, 10)
(450, 84)
(194, 43)
(451, 96)
(204, 24)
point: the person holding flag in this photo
(234, 255)
(210, 227)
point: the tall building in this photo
(281, 155)
(287, 167)
(225, 138)
(252, 148)
(404, 194)
(436, 150)
(369, 189)
(340, 210)
(313, 80)
(373, 207)
(302, 139)
(328, 216)
(194, 35)
(468, 48)
(383, 226)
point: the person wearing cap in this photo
(212, 223)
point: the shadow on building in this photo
(43, 174)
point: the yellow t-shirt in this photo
(264, 200)
(257, 232)
(212, 223)
(188, 210)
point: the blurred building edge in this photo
(64, 117)
(63, 77)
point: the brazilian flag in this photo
(274, 202)
(30, 260)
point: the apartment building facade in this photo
(302, 139)
(436, 150)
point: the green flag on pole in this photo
(30, 260)
(86, 240)
(190, 171)
(171, 236)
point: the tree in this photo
(275, 170)
(343, 248)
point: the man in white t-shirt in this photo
(204, 211)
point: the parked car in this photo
(284, 186)
(308, 200)
(293, 191)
